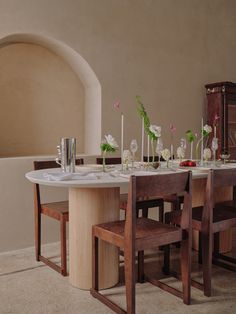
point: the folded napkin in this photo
(61, 176)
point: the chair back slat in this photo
(161, 185)
(109, 161)
(47, 164)
(224, 177)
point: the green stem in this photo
(197, 147)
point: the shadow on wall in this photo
(48, 91)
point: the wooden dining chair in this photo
(139, 234)
(209, 220)
(143, 206)
(175, 200)
(55, 210)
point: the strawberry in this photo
(192, 164)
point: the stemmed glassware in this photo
(159, 149)
(224, 157)
(133, 149)
(214, 147)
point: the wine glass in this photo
(224, 157)
(159, 148)
(133, 149)
(214, 147)
(183, 143)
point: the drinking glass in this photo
(133, 149)
(159, 149)
(214, 147)
(183, 143)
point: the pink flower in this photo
(216, 118)
(116, 104)
(172, 128)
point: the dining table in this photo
(94, 198)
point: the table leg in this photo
(87, 207)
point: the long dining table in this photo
(94, 199)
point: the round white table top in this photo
(98, 179)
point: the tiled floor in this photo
(30, 287)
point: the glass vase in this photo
(104, 161)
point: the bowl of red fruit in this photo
(188, 163)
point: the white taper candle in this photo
(122, 138)
(202, 143)
(148, 148)
(142, 144)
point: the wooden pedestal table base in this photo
(87, 207)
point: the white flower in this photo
(111, 141)
(207, 153)
(156, 130)
(126, 156)
(166, 154)
(207, 128)
(180, 152)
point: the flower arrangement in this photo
(110, 145)
(205, 131)
(206, 154)
(153, 131)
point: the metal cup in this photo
(67, 154)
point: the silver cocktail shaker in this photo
(67, 154)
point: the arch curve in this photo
(92, 86)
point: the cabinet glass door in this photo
(232, 128)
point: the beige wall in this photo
(163, 50)
(41, 100)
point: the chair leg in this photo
(130, 280)
(166, 266)
(199, 248)
(95, 269)
(207, 262)
(145, 212)
(161, 212)
(37, 231)
(186, 269)
(216, 243)
(141, 266)
(63, 246)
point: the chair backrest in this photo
(223, 177)
(47, 164)
(156, 158)
(217, 178)
(109, 161)
(158, 186)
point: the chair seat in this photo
(56, 210)
(148, 233)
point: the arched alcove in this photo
(51, 77)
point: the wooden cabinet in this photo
(221, 100)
